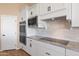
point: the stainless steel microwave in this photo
(33, 21)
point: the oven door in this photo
(23, 34)
(23, 39)
(22, 29)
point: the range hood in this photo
(55, 19)
(58, 22)
(48, 20)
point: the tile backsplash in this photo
(55, 28)
(60, 29)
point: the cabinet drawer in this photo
(50, 52)
(52, 47)
(71, 53)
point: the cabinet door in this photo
(58, 6)
(75, 15)
(28, 46)
(45, 8)
(34, 48)
(49, 52)
(71, 53)
(32, 11)
(45, 49)
(23, 14)
(68, 10)
(59, 9)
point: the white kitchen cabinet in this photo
(33, 11)
(68, 11)
(71, 53)
(37, 48)
(59, 9)
(32, 47)
(45, 49)
(58, 6)
(75, 15)
(50, 52)
(59, 13)
(28, 45)
(23, 14)
(45, 8)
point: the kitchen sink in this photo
(64, 42)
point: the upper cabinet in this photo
(52, 10)
(59, 9)
(68, 10)
(23, 14)
(45, 8)
(41, 9)
(33, 10)
(73, 14)
(58, 6)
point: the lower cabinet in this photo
(28, 46)
(43, 49)
(32, 46)
(50, 52)
(71, 53)
(38, 48)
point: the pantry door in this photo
(8, 32)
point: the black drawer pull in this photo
(3, 35)
(47, 53)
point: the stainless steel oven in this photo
(23, 32)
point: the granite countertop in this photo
(58, 42)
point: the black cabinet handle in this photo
(31, 12)
(3, 35)
(30, 45)
(47, 53)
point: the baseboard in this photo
(12, 49)
(1, 50)
(18, 48)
